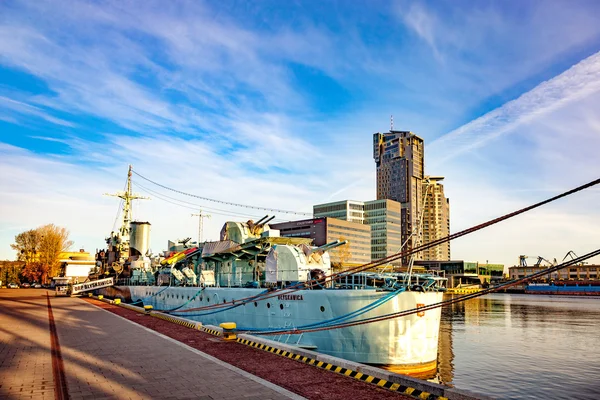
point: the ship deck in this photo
(61, 347)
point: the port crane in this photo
(538, 263)
(573, 256)
(523, 261)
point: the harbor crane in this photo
(523, 261)
(573, 256)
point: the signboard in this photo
(100, 283)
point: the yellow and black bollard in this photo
(117, 301)
(148, 309)
(229, 330)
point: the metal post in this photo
(200, 216)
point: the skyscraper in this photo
(436, 218)
(383, 216)
(399, 160)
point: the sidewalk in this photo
(106, 356)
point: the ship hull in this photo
(410, 341)
(587, 288)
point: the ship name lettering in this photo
(290, 297)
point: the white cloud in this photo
(579, 81)
(215, 112)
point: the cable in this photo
(364, 267)
(164, 197)
(439, 304)
(224, 202)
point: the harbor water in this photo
(517, 346)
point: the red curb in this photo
(58, 368)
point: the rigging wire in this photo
(439, 304)
(223, 202)
(164, 197)
(119, 209)
(364, 267)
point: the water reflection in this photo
(521, 346)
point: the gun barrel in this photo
(262, 219)
(329, 246)
(265, 222)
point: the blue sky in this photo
(274, 104)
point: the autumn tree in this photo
(40, 250)
(26, 245)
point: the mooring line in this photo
(58, 368)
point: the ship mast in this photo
(127, 196)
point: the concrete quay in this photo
(84, 348)
(99, 355)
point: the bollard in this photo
(90, 295)
(117, 301)
(100, 297)
(229, 330)
(148, 309)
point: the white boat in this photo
(280, 287)
(261, 282)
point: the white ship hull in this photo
(407, 341)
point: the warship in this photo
(282, 287)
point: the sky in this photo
(273, 104)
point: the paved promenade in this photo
(106, 356)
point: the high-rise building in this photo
(327, 230)
(399, 160)
(436, 218)
(383, 216)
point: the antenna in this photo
(127, 196)
(391, 123)
(200, 216)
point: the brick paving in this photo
(25, 359)
(301, 378)
(105, 356)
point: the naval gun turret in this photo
(242, 232)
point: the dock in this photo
(83, 348)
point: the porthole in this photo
(322, 309)
(281, 306)
(224, 301)
(255, 304)
(208, 299)
(200, 298)
(188, 297)
(268, 305)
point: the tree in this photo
(54, 241)
(9, 271)
(40, 249)
(26, 245)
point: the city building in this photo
(326, 230)
(574, 272)
(399, 159)
(384, 217)
(436, 219)
(77, 265)
(465, 273)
